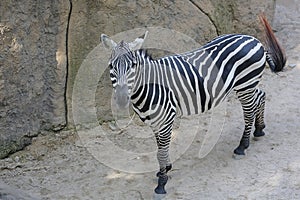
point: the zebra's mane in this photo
(154, 54)
(145, 54)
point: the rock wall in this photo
(43, 44)
(231, 16)
(33, 70)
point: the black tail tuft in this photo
(276, 57)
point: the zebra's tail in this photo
(276, 57)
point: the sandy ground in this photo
(58, 166)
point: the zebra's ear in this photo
(107, 41)
(138, 42)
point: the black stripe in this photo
(249, 77)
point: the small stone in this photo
(292, 65)
(17, 159)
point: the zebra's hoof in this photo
(162, 181)
(160, 190)
(239, 153)
(258, 134)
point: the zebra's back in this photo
(227, 62)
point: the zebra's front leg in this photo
(162, 155)
(168, 168)
(163, 138)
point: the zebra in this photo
(192, 83)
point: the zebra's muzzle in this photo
(121, 96)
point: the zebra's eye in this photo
(132, 66)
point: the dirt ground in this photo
(58, 166)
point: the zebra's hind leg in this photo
(259, 119)
(248, 101)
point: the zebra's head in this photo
(122, 64)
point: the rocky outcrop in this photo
(44, 43)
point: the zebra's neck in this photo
(168, 77)
(143, 63)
